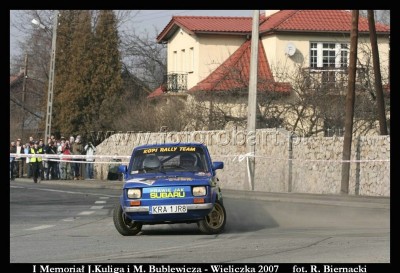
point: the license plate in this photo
(168, 209)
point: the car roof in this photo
(170, 144)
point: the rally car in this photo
(170, 183)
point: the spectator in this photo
(36, 161)
(65, 163)
(28, 166)
(19, 163)
(13, 150)
(42, 163)
(113, 169)
(71, 149)
(59, 153)
(90, 150)
(45, 161)
(77, 149)
(51, 149)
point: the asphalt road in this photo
(71, 222)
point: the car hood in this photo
(167, 180)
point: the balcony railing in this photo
(176, 82)
(330, 79)
(315, 79)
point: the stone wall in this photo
(284, 162)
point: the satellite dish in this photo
(290, 49)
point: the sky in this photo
(144, 21)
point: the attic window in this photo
(191, 60)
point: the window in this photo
(191, 60)
(183, 60)
(175, 61)
(329, 55)
(328, 63)
(344, 55)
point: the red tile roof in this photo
(234, 73)
(284, 20)
(220, 24)
(206, 24)
(316, 21)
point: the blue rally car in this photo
(170, 183)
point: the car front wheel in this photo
(214, 222)
(123, 224)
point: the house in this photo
(212, 54)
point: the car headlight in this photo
(134, 193)
(199, 191)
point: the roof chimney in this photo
(270, 12)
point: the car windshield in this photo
(169, 159)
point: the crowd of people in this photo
(61, 167)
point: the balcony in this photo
(176, 82)
(332, 79)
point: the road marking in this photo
(70, 219)
(96, 207)
(17, 187)
(86, 212)
(71, 192)
(41, 227)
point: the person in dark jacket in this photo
(13, 150)
(51, 149)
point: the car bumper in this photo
(206, 206)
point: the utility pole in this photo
(23, 96)
(349, 108)
(377, 73)
(49, 109)
(252, 103)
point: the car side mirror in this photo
(122, 169)
(217, 165)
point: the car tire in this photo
(123, 224)
(214, 222)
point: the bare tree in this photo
(145, 58)
(382, 16)
(36, 43)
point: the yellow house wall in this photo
(214, 50)
(283, 65)
(183, 62)
(209, 52)
(200, 55)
